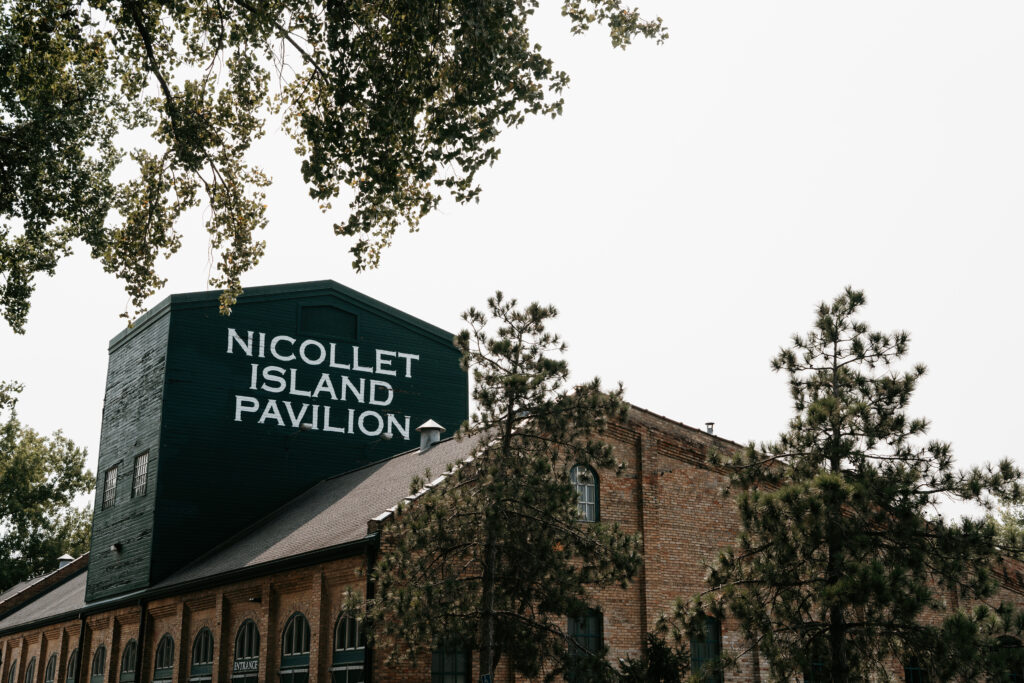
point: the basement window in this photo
(110, 487)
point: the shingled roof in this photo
(335, 512)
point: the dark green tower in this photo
(210, 421)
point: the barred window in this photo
(110, 487)
(139, 474)
(584, 480)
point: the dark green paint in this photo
(171, 390)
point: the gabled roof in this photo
(334, 513)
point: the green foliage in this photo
(842, 550)
(400, 102)
(659, 663)
(39, 479)
(496, 554)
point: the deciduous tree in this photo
(39, 480)
(497, 556)
(394, 104)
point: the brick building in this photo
(196, 584)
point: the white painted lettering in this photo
(263, 345)
(245, 404)
(327, 422)
(359, 393)
(335, 364)
(314, 343)
(296, 419)
(273, 347)
(275, 374)
(235, 338)
(272, 412)
(376, 384)
(371, 432)
(325, 384)
(355, 361)
(384, 364)
(292, 389)
(395, 425)
(409, 358)
(252, 382)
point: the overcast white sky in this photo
(687, 213)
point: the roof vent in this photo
(710, 426)
(64, 560)
(430, 433)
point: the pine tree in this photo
(497, 557)
(843, 549)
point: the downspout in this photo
(371, 561)
(78, 649)
(141, 643)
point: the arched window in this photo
(584, 480)
(449, 662)
(99, 665)
(128, 660)
(163, 663)
(706, 651)
(72, 666)
(30, 670)
(349, 650)
(12, 677)
(51, 669)
(295, 650)
(246, 667)
(202, 656)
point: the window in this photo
(202, 657)
(110, 487)
(99, 664)
(247, 653)
(51, 669)
(12, 677)
(139, 475)
(163, 664)
(72, 666)
(30, 670)
(706, 651)
(128, 659)
(1011, 654)
(586, 638)
(584, 480)
(915, 673)
(349, 651)
(449, 662)
(295, 650)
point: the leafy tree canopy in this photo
(496, 556)
(844, 564)
(401, 101)
(39, 479)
